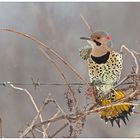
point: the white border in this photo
(70, 1)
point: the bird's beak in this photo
(91, 43)
(85, 38)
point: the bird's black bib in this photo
(101, 59)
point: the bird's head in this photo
(99, 40)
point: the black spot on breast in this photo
(91, 68)
(118, 66)
(113, 95)
(100, 74)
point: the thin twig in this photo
(28, 93)
(33, 134)
(62, 117)
(1, 127)
(58, 107)
(49, 49)
(32, 101)
(135, 52)
(60, 71)
(59, 130)
(136, 112)
(53, 117)
(76, 117)
(86, 23)
(132, 54)
(30, 127)
(38, 130)
(123, 80)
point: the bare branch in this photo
(0, 127)
(59, 130)
(30, 127)
(32, 101)
(76, 117)
(49, 49)
(53, 117)
(132, 54)
(60, 71)
(86, 23)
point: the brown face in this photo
(98, 39)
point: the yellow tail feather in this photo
(117, 112)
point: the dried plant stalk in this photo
(132, 54)
(0, 127)
(49, 49)
(86, 23)
(61, 73)
(33, 102)
(59, 130)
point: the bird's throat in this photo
(102, 59)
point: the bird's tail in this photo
(117, 112)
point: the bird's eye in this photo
(98, 37)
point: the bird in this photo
(104, 64)
(104, 68)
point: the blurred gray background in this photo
(59, 25)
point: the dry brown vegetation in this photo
(75, 118)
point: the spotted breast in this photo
(105, 71)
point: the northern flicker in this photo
(105, 66)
